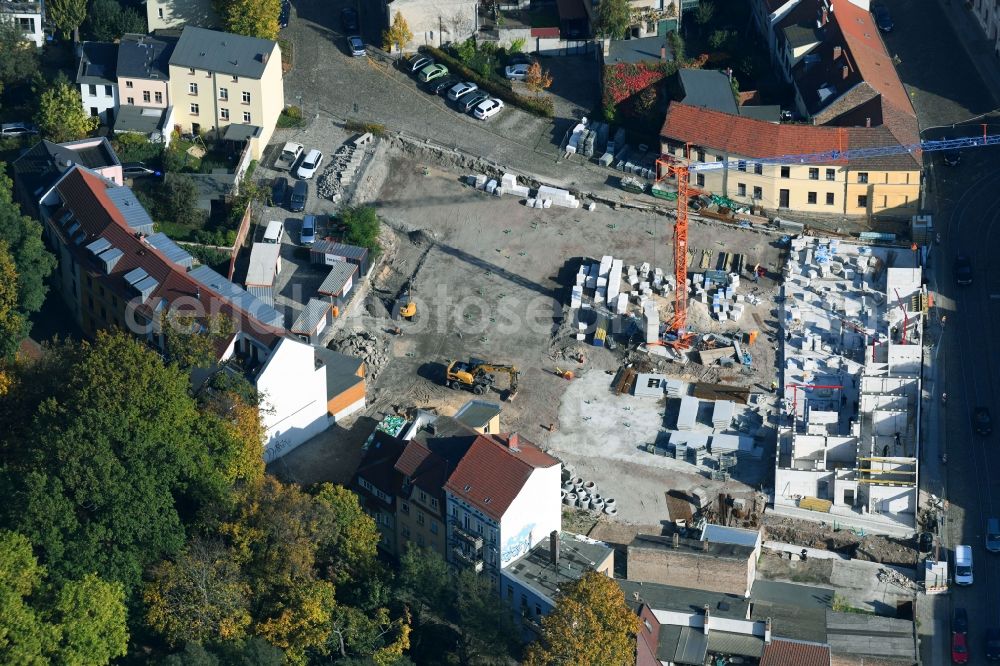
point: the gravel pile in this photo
(367, 345)
(339, 172)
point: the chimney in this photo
(554, 546)
(677, 539)
(767, 631)
(663, 54)
(708, 616)
(606, 47)
(845, 70)
(514, 441)
(264, 57)
(837, 51)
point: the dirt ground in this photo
(871, 548)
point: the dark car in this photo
(982, 421)
(960, 621)
(883, 19)
(279, 191)
(297, 202)
(925, 542)
(138, 170)
(993, 644)
(441, 85)
(963, 270)
(471, 101)
(286, 12)
(349, 19)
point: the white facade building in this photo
(97, 77)
(29, 16)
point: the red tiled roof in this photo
(84, 194)
(747, 137)
(780, 652)
(491, 474)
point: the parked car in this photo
(960, 621)
(516, 72)
(472, 100)
(459, 90)
(925, 542)
(418, 62)
(288, 156)
(300, 193)
(993, 644)
(138, 170)
(308, 235)
(309, 164)
(357, 46)
(488, 108)
(432, 72)
(286, 12)
(279, 191)
(883, 19)
(17, 129)
(959, 649)
(982, 421)
(963, 270)
(440, 86)
(349, 19)
(993, 535)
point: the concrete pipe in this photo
(577, 481)
(569, 499)
(568, 487)
(610, 510)
(583, 501)
(596, 504)
(610, 502)
(590, 487)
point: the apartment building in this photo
(161, 14)
(29, 15)
(751, 174)
(96, 74)
(143, 70)
(219, 80)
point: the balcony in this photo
(474, 541)
(463, 559)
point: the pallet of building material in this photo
(688, 414)
(815, 504)
(708, 391)
(710, 356)
(625, 380)
(722, 413)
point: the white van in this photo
(963, 565)
(274, 232)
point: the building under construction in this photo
(852, 329)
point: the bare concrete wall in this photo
(687, 569)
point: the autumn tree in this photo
(253, 18)
(61, 116)
(82, 621)
(614, 18)
(13, 323)
(536, 79)
(591, 625)
(66, 16)
(398, 35)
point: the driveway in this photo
(326, 80)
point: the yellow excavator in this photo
(479, 377)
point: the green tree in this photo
(363, 227)
(18, 57)
(398, 35)
(82, 622)
(351, 542)
(13, 323)
(614, 18)
(590, 625)
(488, 627)
(193, 342)
(253, 18)
(107, 20)
(250, 652)
(66, 16)
(424, 577)
(61, 116)
(704, 13)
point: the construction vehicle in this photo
(405, 307)
(673, 168)
(479, 377)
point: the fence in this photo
(241, 236)
(242, 166)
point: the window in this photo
(193, 88)
(406, 532)
(159, 12)
(524, 601)
(454, 512)
(510, 592)
(741, 189)
(538, 610)
(758, 193)
(130, 100)
(434, 503)
(246, 117)
(423, 496)
(145, 96)
(718, 158)
(246, 97)
(758, 168)
(420, 540)
(862, 201)
(128, 84)
(700, 179)
(829, 198)
(813, 173)
(831, 174)
(701, 155)
(420, 517)
(224, 114)
(405, 507)
(224, 94)
(741, 165)
(190, 70)
(26, 23)
(434, 528)
(158, 96)
(236, 79)
(108, 92)
(194, 109)
(811, 197)
(786, 172)
(92, 90)
(862, 176)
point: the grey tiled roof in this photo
(222, 52)
(98, 64)
(145, 57)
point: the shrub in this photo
(376, 129)
(363, 228)
(290, 117)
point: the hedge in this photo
(540, 107)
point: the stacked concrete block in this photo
(614, 281)
(652, 319)
(621, 306)
(558, 197)
(688, 414)
(576, 297)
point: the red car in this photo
(959, 649)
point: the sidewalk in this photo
(976, 44)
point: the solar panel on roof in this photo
(136, 275)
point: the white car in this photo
(309, 164)
(461, 89)
(517, 72)
(488, 108)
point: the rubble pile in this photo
(339, 172)
(367, 345)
